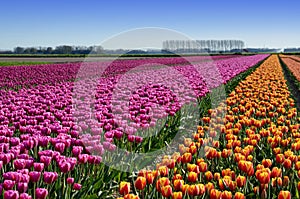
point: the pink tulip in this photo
(77, 186)
(70, 180)
(50, 177)
(38, 166)
(8, 184)
(22, 187)
(11, 194)
(41, 193)
(25, 196)
(34, 176)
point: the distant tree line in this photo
(291, 50)
(203, 45)
(64, 49)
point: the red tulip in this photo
(124, 188)
(140, 183)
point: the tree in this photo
(19, 50)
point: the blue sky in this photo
(88, 22)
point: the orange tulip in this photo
(149, 178)
(192, 177)
(178, 184)
(194, 190)
(163, 171)
(239, 195)
(241, 181)
(185, 188)
(177, 195)
(209, 186)
(267, 163)
(284, 195)
(203, 166)
(287, 163)
(166, 191)
(276, 172)
(140, 183)
(286, 181)
(208, 175)
(298, 186)
(264, 177)
(161, 182)
(131, 196)
(124, 188)
(186, 158)
(226, 195)
(280, 158)
(215, 194)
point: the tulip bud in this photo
(77, 186)
(70, 180)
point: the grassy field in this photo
(5, 63)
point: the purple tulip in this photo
(8, 184)
(77, 150)
(20, 164)
(38, 166)
(60, 147)
(64, 166)
(25, 196)
(50, 177)
(22, 187)
(41, 193)
(70, 180)
(46, 160)
(34, 176)
(83, 158)
(11, 194)
(77, 186)
(5, 158)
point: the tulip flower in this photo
(239, 195)
(124, 188)
(77, 186)
(25, 196)
(284, 195)
(166, 191)
(50, 177)
(41, 193)
(140, 183)
(177, 195)
(11, 194)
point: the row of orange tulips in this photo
(248, 147)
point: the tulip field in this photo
(62, 125)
